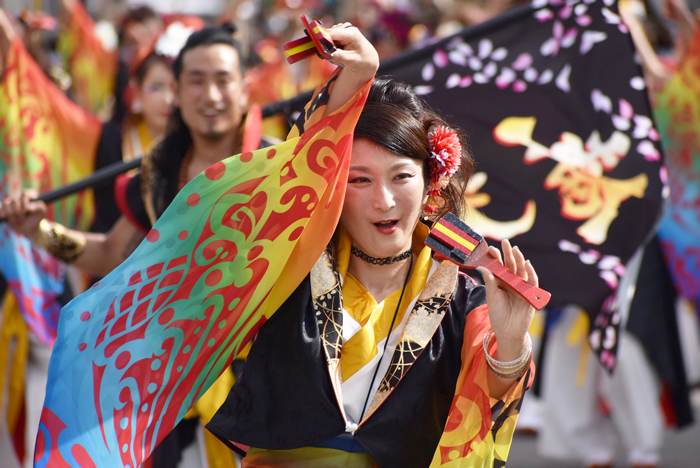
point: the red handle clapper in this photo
(316, 42)
(453, 240)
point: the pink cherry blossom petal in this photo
(465, 81)
(485, 48)
(562, 80)
(601, 101)
(648, 150)
(620, 123)
(569, 38)
(440, 58)
(558, 29)
(428, 72)
(620, 269)
(544, 15)
(466, 49)
(608, 262)
(550, 47)
(589, 39)
(490, 69)
(565, 12)
(506, 77)
(545, 77)
(610, 278)
(453, 80)
(626, 109)
(475, 64)
(610, 17)
(480, 78)
(499, 54)
(457, 58)
(584, 20)
(568, 246)
(589, 257)
(519, 86)
(523, 61)
(530, 75)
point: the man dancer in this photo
(206, 127)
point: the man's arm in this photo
(94, 253)
(104, 252)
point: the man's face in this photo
(211, 91)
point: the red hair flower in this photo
(445, 157)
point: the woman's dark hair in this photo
(396, 119)
(140, 72)
(167, 156)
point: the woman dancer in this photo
(366, 353)
(398, 331)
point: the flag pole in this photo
(297, 102)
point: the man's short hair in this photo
(210, 35)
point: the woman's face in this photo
(384, 199)
(157, 96)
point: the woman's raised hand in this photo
(510, 314)
(355, 53)
(359, 60)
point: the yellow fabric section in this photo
(374, 318)
(218, 454)
(145, 137)
(243, 354)
(635, 7)
(460, 240)
(308, 457)
(14, 349)
(578, 336)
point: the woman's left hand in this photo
(510, 314)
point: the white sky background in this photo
(196, 7)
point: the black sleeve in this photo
(121, 81)
(109, 151)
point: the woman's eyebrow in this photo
(396, 166)
(359, 168)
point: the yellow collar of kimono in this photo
(375, 318)
(145, 137)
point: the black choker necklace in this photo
(380, 261)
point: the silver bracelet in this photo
(507, 369)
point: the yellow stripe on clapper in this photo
(454, 236)
(299, 49)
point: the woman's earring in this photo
(429, 207)
(136, 106)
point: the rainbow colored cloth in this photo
(136, 351)
(46, 142)
(677, 115)
(92, 68)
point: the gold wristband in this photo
(59, 241)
